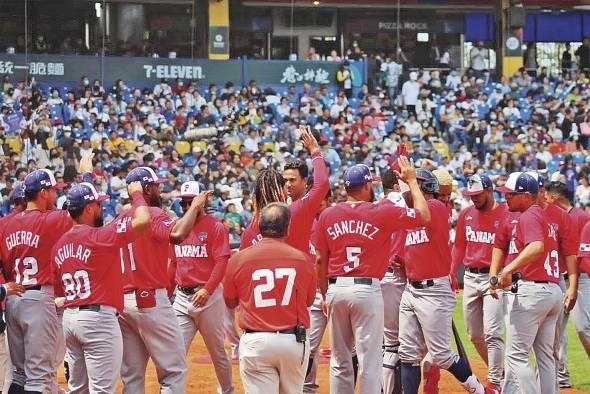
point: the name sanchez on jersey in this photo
(191, 250)
(22, 238)
(484, 237)
(72, 251)
(357, 227)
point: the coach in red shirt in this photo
(273, 283)
(199, 263)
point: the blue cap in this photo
(145, 175)
(538, 177)
(41, 179)
(477, 184)
(18, 190)
(358, 175)
(520, 182)
(82, 194)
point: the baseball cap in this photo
(476, 184)
(145, 175)
(191, 189)
(538, 177)
(358, 175)
(41, 179)
(18, 190)
(83, 194)
(519, 182)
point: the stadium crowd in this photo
(223, 135)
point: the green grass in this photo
(578, 362)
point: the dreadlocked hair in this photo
(268, 189)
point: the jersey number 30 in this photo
(269, 276)
(77, 285)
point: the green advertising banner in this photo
(149, 71)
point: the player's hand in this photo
(200, 200)
(134, 187)
(504, 279)
(59, 302)
(569, 299)
(201, 298)
(13, 288)
(494, 293)
(325, 307)
(308, 139)
(407, 171)
(86, 163)
(454, 283)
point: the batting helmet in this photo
(427, 180)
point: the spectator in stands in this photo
(410, 92)
(583, 55)
(345, 77)
(478, 56)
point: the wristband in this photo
(317, 153)
(138, 200)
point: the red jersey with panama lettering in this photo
(358, 236)
(504, 234)
(26, 243)
(303, 211)
(86, 264)
(272, 282)
(584, 250)
(475, 234)
(567, 237)
(201, 259)
(427, 253)
(533, 226)
(145, 260)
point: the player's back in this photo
(567, 236)
(27, 240)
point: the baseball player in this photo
(445, 186)
(273, 295)
(86, 266)
(474, 240)
(392, 288)
(26, 245)
(428, 301)
(581, 312)
(532, 313)
(353, 240)
(199, 263)
(271, 187)
(318, 322)
(148, 323)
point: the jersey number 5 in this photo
(269, 285)
(352, 255)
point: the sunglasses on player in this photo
(185, 203)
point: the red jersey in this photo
(145, 260)
(579, 219)
(504, 234)
(358, 236)
(201, 259)
(475, 236)
(584, 250)
(427, 253)
(533, 226)
(303, 211)
(27, 239)
(86, 263)
(567, 238)
(272, 282)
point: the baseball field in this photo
(202, 377)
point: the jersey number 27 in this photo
(269, 276)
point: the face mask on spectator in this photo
(493, 116)
(55, 94)
(85, 82)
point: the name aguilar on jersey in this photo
(352, 227)
(22, 238)
(77, 252)
(479, 236)
(191, 250)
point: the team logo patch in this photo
(496, 224)
(584, 247)
(410, 213)
(202, 236)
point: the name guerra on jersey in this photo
(352, 227)
(22, 238)
(191, 250)
(479, 236)
(67, 251)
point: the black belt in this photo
(357, 281)
(485, 270)
(421, 284)
(389, 269)
(542, 281)
(289, 331)
(38, 287)
(189, 290)
(90, 307)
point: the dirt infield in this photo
(202, 376)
